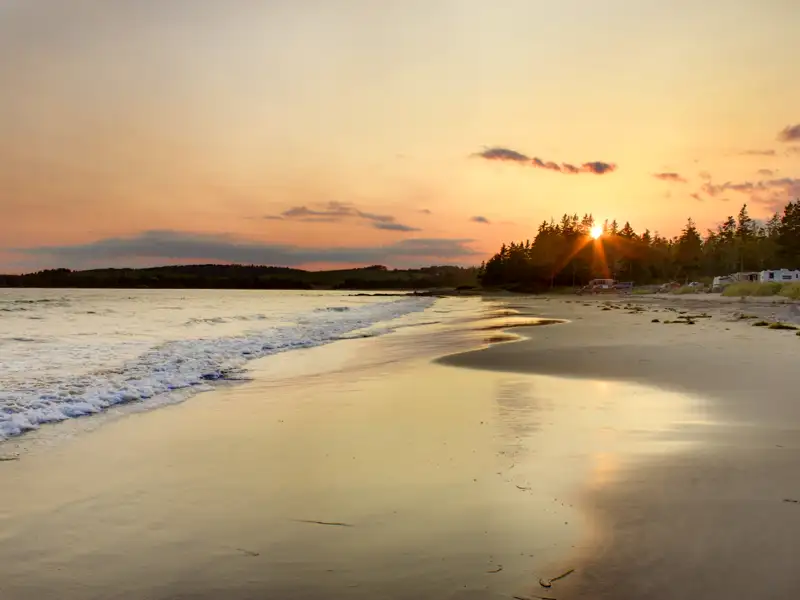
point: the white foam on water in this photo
(187, 364)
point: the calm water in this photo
(71, 353)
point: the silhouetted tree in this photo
(562, 254)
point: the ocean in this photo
(71, 353)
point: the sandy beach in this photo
(720, 519)
(468, 459)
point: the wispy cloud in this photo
(790, 133)
(506, 154)
(757, 153)
(772, 193)
(333, 212)
(697, 197)
(676, 177)
(594, 167)
(704, 175)
(189, 247)
(394, 226)
(480, 219)
(766, 172)
(426, 211)
(497, 153)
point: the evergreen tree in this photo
(689, 251)
(788, 238)
(564, 254)
(627, 231)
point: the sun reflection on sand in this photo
(605, 466)
(602, 386)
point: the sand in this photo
(718, 520)
(653, 459)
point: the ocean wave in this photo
(375, 332)
(183, 365)
(10, 305)
(221, 320)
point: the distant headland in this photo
(212, 276)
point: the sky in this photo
(319, 133)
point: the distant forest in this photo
(376, 277)
(564, 254)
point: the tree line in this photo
(563, 253)
(213, 276)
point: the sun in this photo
(596, 231)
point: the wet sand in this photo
(635, 453)
(717, 521)
(355, 470)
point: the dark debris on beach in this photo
(334, 523)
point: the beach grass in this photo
(686, 289)
(753, 288)
(790, 290)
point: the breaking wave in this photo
(187, 365)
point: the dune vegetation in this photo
(743, 289)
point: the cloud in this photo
(426, 211)
(704, 175)
(696, 196)
(170, 245)
(669, 177)
(597, 167)
(333, 212)
(394, 227)
(508, 155)
(497, 153)
(757, 153)
(772, 193)
(374, 217)
(766, 172)
(790, 133)
(479, 219)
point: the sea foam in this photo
(187, 365)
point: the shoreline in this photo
(695, 523)
(237, 493)
(465, 467)
(625, 345)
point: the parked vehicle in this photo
(598, 286)
(721, 282)
(668, 287)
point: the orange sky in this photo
(148, 132)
